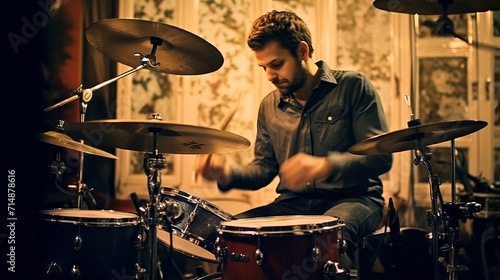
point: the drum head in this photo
(186, 246)
(280, 225)
(90, 217)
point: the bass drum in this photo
(193, 225)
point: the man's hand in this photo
(212, 168)
(301, 170)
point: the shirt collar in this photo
(326, 76)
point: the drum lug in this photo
(259, 257)
(333, 271)
(140, 238)
(140, 273)
(54, 271)
(221, 253)
(315, 253)
(77, 242)
(75, 272)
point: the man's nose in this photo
(271, 74)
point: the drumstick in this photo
(223, 126)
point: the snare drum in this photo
(278, 247)
(88, 244)
(194, 228)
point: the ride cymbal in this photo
(63, 140)
(176, 51)
(169, 138)
(406, 139)
(436, 7)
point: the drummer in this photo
(304, 130)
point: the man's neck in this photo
(303, 93)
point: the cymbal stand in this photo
(153, 164)
(85, 95)
(450, 212)
(455, 212)
(423, 155)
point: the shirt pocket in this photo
(331, 129)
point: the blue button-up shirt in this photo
(343, 109)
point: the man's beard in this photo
(298, 81)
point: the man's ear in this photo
(303, 50)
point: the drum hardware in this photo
(338, 270)
(416, 137)
(333, 271)
(395, 234)
(153, 164)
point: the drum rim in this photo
(57, 217)
(211, 276)
(208, 247)
(324, 226)
(207, 205)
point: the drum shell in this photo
(287, 254)
(108, 243)
(195, 230)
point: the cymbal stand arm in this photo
(86, 94)
(423, 155)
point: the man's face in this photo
(283, 69)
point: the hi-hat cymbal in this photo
(435, 7)
(63, 140)
(177, 51)
(406, 139)
(170, 138)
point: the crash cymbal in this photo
(177, 51)
(170, 138)
(63, 140)
(406, 139)
(435, 7)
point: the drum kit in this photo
(107, 244)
